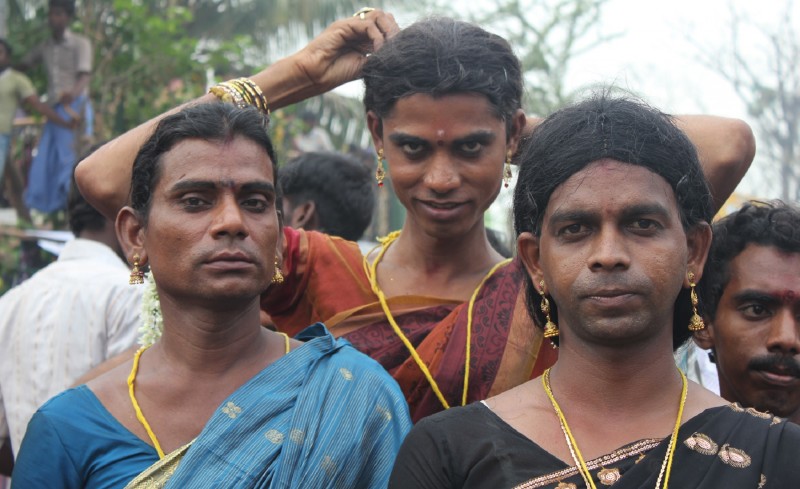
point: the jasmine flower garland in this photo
(152, 322)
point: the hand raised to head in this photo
(336, 55)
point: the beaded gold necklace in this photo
(140, 414)
(577, 457)
(371, 270)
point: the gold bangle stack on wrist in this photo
(241, 92)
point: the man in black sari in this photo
(612, 213)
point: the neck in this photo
(208, 341)
(616, 381)
(462, 255)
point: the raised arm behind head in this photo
(331, 59)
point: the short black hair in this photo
(619, 128)
(774, 223)
(341, 188)
(67, 5)
(441, 56)
(209, 122)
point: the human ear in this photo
(704, 338)
(518, 123)
(130, 233)
(528, 250)
(304, 216)
(698, 242)
(375, 125)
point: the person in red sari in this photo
(435, 304)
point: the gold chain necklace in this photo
(140, 414)
(372, 273)
(577, 457)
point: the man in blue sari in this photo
(217, 400)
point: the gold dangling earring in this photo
(550, 328)
(137, 276)
(507, 170)
(277, 277)
(380, 174)
(696, 323)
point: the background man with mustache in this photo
(751, 294)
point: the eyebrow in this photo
(630, 212)
(255, 186)
(753, 295)
(482, 136)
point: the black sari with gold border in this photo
(724, 447)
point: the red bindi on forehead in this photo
(787, 296)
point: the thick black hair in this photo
(210, 122)
(341, 188)
(619, 128)
(775, 224)
(442, 56)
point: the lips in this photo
(230, 260)
(780, 378)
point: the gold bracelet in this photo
(241, 92)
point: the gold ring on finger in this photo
(362, 14)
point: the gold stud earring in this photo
(380, 173)
(550, 328)
(696, 323)
(137, 275)
(507, 170)
(277, 277)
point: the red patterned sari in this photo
(326, 281)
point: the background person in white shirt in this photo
(67, 318)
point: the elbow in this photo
(740, 149)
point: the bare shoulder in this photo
(699, 399)
(111, 388)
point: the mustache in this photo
(776, 362)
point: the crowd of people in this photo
(286, 355)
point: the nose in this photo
(609, 250)
(228, 219)
(441, 175)
(784, 333)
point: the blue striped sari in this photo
(323, 416)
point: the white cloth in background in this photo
(694, 361)
(66, 319)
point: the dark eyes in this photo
(258, 203)
(469, 148)
(754, 311)
(644, 224)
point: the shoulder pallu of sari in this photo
(507, 349)
(726, 447)
(157, 475)
(321, 416)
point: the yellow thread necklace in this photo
(140, 414)
(666, 465)
(372, 274)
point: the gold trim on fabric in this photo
(157, 475)
(274, 436)
(734, 456)
(758, 414)
(566, 485)
(762, 482)
(611, 458)
(608, 477)
(701, 443)
(232, 410)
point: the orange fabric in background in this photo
(326, 281)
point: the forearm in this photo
(726, 148)
(6, 457)
(104, 177)
(36, 104)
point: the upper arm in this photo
(84, 57)
(726, 148)
(420, 464)
(43, 460)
